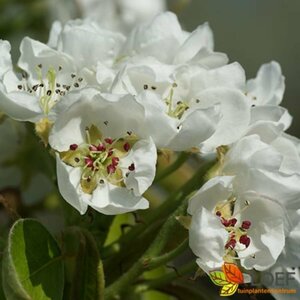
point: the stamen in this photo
(230, 244)
(245, 240)
(111, 169)
(246, 224)
(131, 167)
(126, 146)
(73, 147)
(108, 140)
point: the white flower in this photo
(288, 261)
(86, 42)
(243, 225)
(265, 93)
(197, 107)
(102, 162)
(268, 86)
(48, 75)
(271, 170)
(164, 32)
(121, 15)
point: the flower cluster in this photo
(107, 101)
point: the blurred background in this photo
(251, 32)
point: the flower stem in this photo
(182, 158)
(164, 210)
(169, 277)
(115, 289)
(160, 260)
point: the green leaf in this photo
(83, 266)
(32, 263)
(218, 278)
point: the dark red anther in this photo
(126, 147)
(115, 161)
(110, 152)
(73, 147)
(246, 224)
(108, 141)
(89, 161)
(245, 240)
(93, 148)
(101, 147)
(225, 222)
(230, 244)
(111, 169)
(232, 221)
(131, 167)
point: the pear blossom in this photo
(265, 93)
(47, 77)
(180, 47)
(289, 260)
(257, 187)
(121, 15)
(198, 107)
(228, 225)
(86, 42)
(268, 86)
(269, 169)
(101, 161)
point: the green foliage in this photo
(32, 263)
(84, 268)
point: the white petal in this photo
(55, 31)
(143, 155)
(96, 44)
(112, 200)
(164, 32)
(68, 179)
(266, 231)
(5, 58)
(283, 188)
(269, 122)
(138, 73)
(268, 86)
(20, 106)
(105, 76)
(268, 243)
(209, 59)
(291, 158)
(251, 152)
(161, 127)
(195, 128)
(121, 116)
(34, 53)
(207, 237)
(202, 37)
(213, 191)
(235, 119)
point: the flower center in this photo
(48, 89)
(175, 110)
(238, 239)
(99, 159)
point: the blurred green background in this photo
(251, 32)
